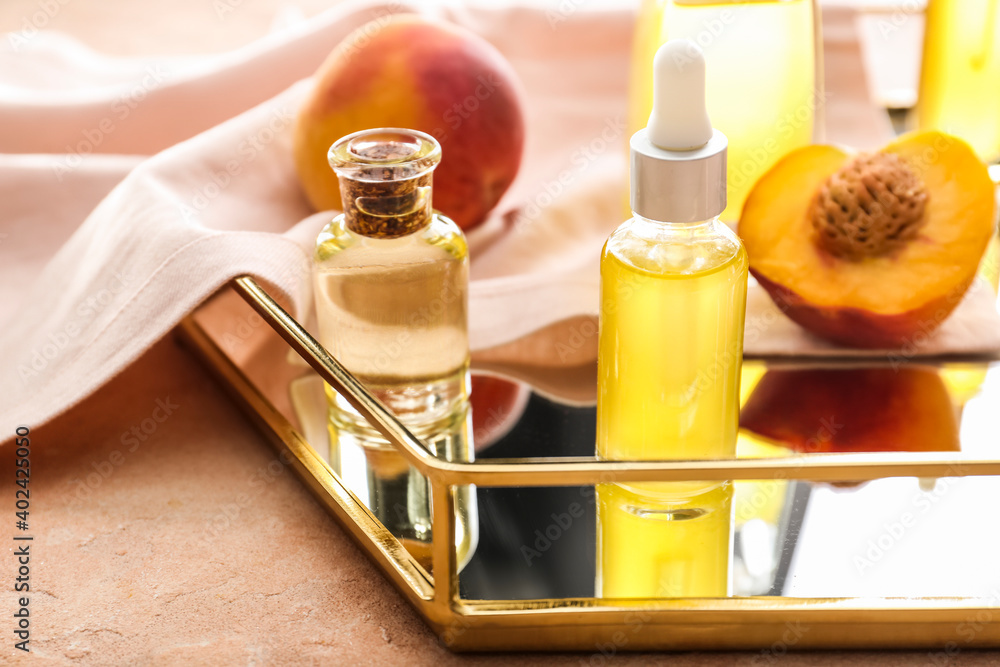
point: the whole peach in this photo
(413, 72)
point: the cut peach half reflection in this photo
(870, 250)
(823, 410)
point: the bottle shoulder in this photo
(440, 239)
(667, 249)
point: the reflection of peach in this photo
(497, 405)
(417, 73)
(853, 410)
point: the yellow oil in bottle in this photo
(393, 311)
(959, 89)
(761, 87)
(671, 343)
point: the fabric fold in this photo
(154, 181)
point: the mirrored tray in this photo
(860, 510)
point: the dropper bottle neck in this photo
(678, 161)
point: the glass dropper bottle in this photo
(673, 298)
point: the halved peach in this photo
(870, 250)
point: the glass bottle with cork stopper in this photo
(390, 278)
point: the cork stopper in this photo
(385, 180)
(871, 207)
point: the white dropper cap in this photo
(678, 159)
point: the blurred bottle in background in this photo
(960, 78)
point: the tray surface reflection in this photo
(893, 537)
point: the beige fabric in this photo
(224, 201)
